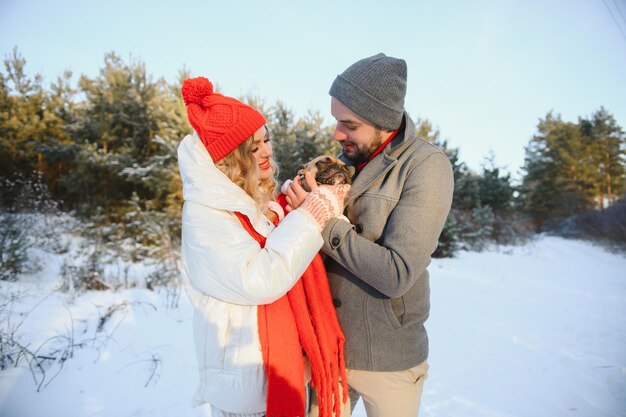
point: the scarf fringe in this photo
(304, 320)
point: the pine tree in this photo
(127, 130)
(59, 149)
(608, 142)
(30, 124)
(21, 117)
(572, 167)
(295, 142)
(280, 126)
(495, 189)
(312, 139)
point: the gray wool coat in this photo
(377, 263)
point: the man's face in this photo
(358, 138)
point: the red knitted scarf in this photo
(302, 320)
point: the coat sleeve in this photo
(394, 262)
(220, 259)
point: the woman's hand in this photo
(325, 202)
(295, 194)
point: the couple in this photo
(270, 316)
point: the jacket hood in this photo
(205, 184)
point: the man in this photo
(399, 200)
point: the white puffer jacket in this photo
(227, 274)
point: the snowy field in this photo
(529, 331)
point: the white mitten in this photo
(325, 203)
(285, 186)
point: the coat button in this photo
(337, 302)
(335, 241)
(358, 228)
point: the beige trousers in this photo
(385, 394)
(314, 410)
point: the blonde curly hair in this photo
(242, 168)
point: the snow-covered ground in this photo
(531, 331)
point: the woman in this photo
(238, 266)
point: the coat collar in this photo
(382, 163)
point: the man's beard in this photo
(362, 155)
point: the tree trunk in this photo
(40, 162)
(148, 144)
(609, 193)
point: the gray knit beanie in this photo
(374, 89)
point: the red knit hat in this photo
(223, 123)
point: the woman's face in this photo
(262, 151)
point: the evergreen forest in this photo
(103, 150)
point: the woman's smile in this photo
(265, 165)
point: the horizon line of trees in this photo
(104, 147)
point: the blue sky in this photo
(482, 71)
